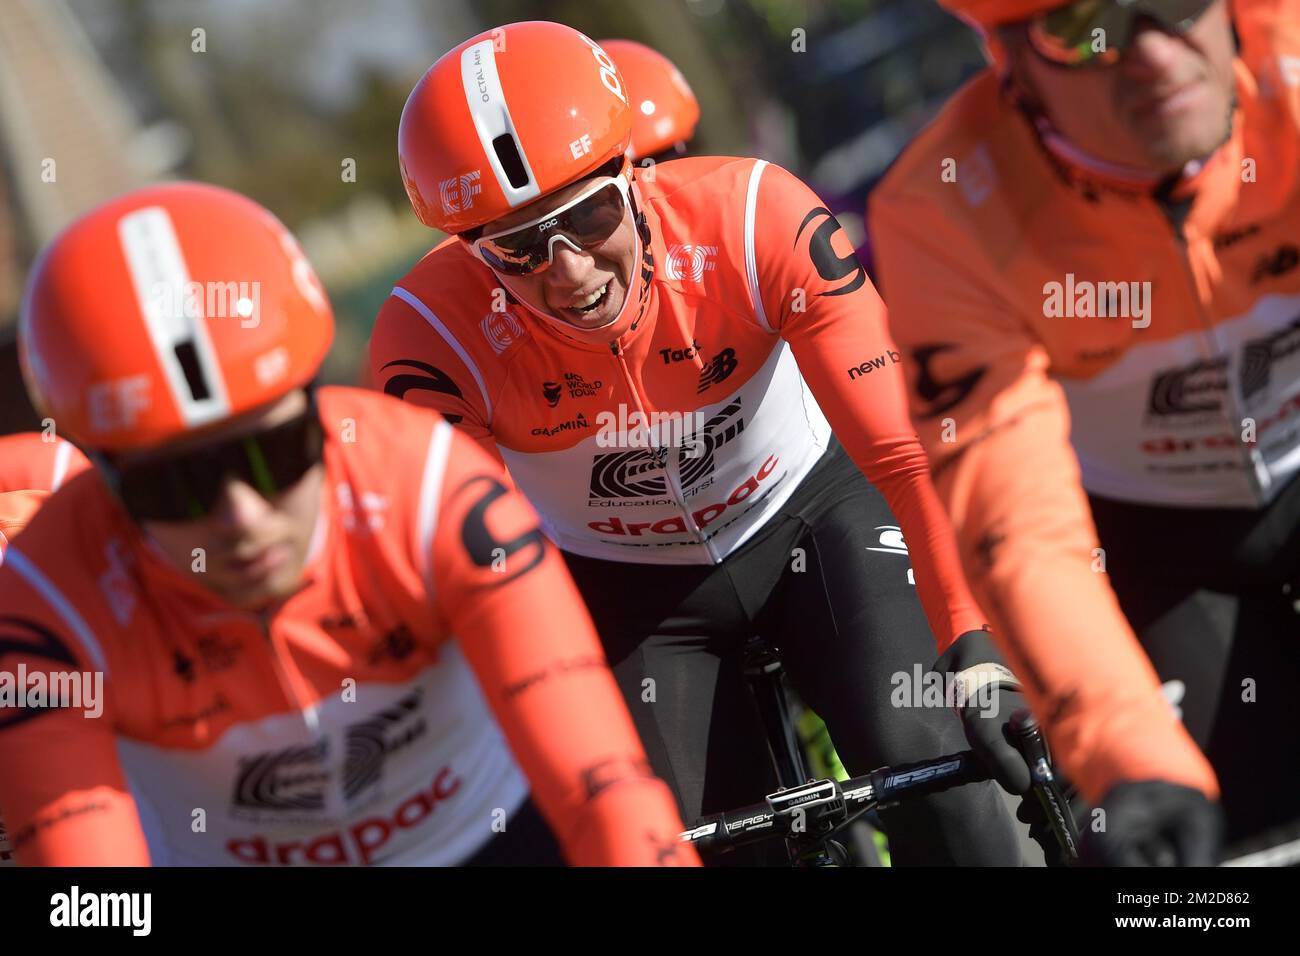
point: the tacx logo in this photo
(872, 364)
(680, 355)
(688, 262)
(458, 192)
(830, 265)
(297, 779)
(642, 473)
(718, 368)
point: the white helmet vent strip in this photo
(491, 114)
(173, 314)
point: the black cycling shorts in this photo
(826, 583)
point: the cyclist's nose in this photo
(240, 507)
(1152, 52)
(569, 268)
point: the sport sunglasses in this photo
(1066, 35)
(186, 487)
(584, 222)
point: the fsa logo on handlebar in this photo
(830, 265)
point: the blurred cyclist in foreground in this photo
(316, 615)
(1090, 260)
(32, 465)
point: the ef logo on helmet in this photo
(117, 403)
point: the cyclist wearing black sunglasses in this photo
(321, 616)
(1091, 258)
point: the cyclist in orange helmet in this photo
(1090, 259)
(664, 110)
(252, 597)
(660, 363)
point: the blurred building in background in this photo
(296, 103)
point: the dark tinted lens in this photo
(186, 487)
(1089, 31)
(589, 223)
(593, 221)
(278, 458)
(513, 264)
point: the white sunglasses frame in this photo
(597, 185)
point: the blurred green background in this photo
(274, 98)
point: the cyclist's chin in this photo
(254, 591)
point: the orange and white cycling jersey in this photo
(755, 303)
(30, 467)
(31, 462)
(16, 509)
(1065, 332)
(346, 725)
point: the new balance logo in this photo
(871, 364)
(719, 367)
(457, 194)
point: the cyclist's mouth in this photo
(593, 308)
(260, 564)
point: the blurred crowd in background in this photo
(296, 103)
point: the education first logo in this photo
(76, 909)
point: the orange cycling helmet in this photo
(165, 310)
(506, 117)
(664, 110)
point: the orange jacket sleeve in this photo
(411, 361)
(69, 804)
(997, 428)
(526, 633)
(817, 295)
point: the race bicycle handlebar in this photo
(818, 808)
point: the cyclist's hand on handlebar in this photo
(986, 695)
(1154, 823)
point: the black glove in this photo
(1153, 823)
(1031, 812)
(987, 694)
